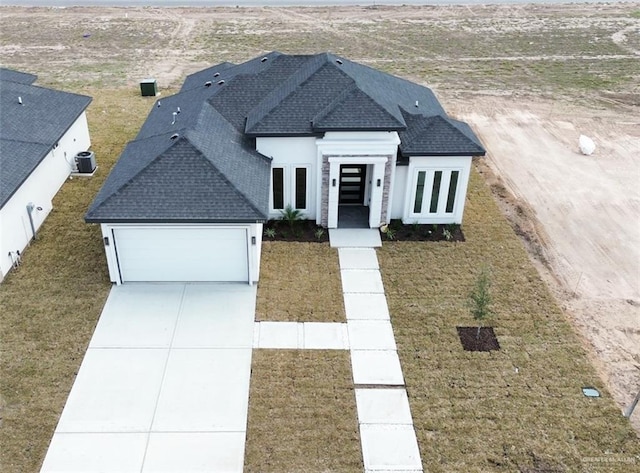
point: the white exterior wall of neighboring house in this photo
(291, 155)
(183, 252)
(39, 188)
(435, 189)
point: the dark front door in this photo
(352, 182)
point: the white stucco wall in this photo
(254, 251)
(352, 147)
(430, 164)
(39, 188)
(399, 192)
(292, 153)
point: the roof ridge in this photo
(224, 177)
(286, 88)
(102, 200)
(24, 141)
(336, 101)
(349, 92)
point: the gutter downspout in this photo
(30, 208)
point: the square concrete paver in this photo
(371, 335)
(204, 390)
(284, 335)
(95, 453)
(195, 452)
(115, 391)
(376, 367)
(354, 238)
(362, 281)
(325, 336)
(358, 258)
(139, 315)
(219, 316)
(383, 406)
(366, 307)
(390, 448)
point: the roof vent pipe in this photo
(417, 103)
(20, 100)
(175, 114)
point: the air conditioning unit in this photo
(86, 162)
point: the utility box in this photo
(86, 162)
(149, 88)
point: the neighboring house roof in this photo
(29, 130)
(220, 110)
(17, 76)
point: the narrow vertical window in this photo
(435, 192)
(417, 204)
(301, 188)
(278, 188)
(453, 187)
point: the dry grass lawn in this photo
(299, 282)
(508, 410)
(302, 413)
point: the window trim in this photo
(443, 200)
(272, 203)
(418, 191)
(294, 186)
(452, 200)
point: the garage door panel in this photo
(182, 254)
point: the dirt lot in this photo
(530, 79)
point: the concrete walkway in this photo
(387, 434)
(301, 335)
(164, 385)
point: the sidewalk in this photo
(387, 435)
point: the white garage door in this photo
(182, 254)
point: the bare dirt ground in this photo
(530, 79)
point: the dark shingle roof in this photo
(17, 76)
(438, 135)
(28, 131)
(206, 173)
(199, 191)
(220, 110)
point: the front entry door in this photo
(352, 183)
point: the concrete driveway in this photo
(164, 385)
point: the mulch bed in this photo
(301, 230)
(487, 340)
(308, 231)
(430, 232)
